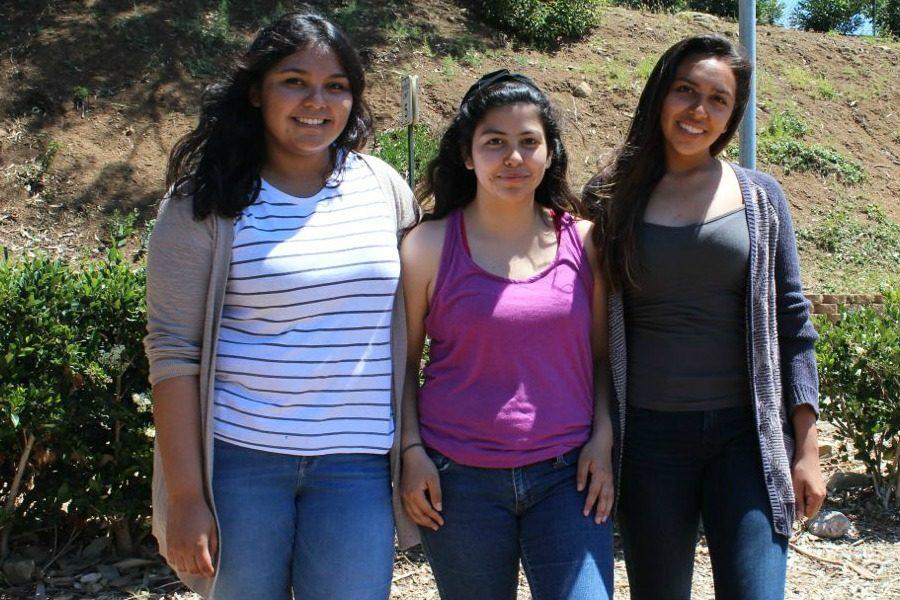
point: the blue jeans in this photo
(320, 525)
(494, 517)
(679, 467)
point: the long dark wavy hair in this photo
(618, 196)
(450, 185)
(220, 160)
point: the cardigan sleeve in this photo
(796, 334)
(179, 262)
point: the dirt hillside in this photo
(93, 94)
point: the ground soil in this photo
(134, 60)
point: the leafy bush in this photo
(767, 11)
(780, 143)
(543, 22)
(843, 16)
(75, 422)
(859, 374)
(887, 18)
(794, 155)
(392, 146)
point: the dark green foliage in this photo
(767, 11)
(887, 18)
(781, 143)
(859, 375)
(73, 376)
(655, 5)
(543, 22)
(392, 147)
(843, 16)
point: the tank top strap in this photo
(570, 244)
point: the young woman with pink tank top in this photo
(507, 447)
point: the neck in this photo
(297, 175)
(680, 165)
(504, 219)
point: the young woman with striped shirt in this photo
(275, 335)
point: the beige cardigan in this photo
(187, 271)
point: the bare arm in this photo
(192, 539)
(806, 472)
(595, 460)
(419, 484)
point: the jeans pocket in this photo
(440, 461)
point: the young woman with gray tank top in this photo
(718, 399)
(507, 446)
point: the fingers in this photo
(814, 499)
(584, 464)
(434, 492)
(421, 511)
(203, 558)
(604, 507)
(600, 491)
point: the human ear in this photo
(254, 96)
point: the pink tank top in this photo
(510, 378)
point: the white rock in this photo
(582, 90)
(829, 524)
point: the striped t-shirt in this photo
(303, 363)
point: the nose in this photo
(699, 108)
(314, 96)
(513, 157)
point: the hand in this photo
(420, 476)
(191, 537)
(595, 462)
(809, 485)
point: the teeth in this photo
(690, 129)
(310, 121)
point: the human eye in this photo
(293, 81)
(532, 141)
(339, 86)
(493, 141)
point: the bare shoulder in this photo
(420, 251)
(585, 229)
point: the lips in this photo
(310, 121)
(690, 129)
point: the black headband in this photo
(493, 77)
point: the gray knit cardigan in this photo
(780, 340)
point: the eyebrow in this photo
(719, 89)
(339, 74)
(492, 130)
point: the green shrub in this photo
(392, 146)
(887, 18)
(781, 143)
(74, 397)
(843, 16)
(859, 378)
(794, 155)
(543, 22)
(767, 11)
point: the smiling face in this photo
(306, 101)
(509, 152)
(697, 108)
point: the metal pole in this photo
(412, 155)
(747, 28)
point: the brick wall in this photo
(830, 304)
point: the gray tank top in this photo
(685, 317)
